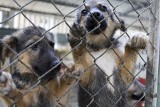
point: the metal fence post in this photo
(158, 95)
(153, 57)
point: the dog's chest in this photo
(106, 62)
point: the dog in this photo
(28, 84)
(108, 70)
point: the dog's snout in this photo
(96, 15)
(97, 21)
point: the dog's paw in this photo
(77, 31)
(74, 41)
(76, 35)
(6, 85)
(139, 41)
(73, 71)
(76, 71)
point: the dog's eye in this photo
(51, 44)
(84, 12)
(34, 47)
(103, 8)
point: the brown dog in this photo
(23, 86)
(108, 70)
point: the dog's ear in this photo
(119, 22)
(6, 44)
(78, 17)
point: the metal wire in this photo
(151, 64)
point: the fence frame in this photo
(158, 58)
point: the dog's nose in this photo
(96, 15)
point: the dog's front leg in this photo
(8, 90)
(134, 45)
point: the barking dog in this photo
(28, 66)
(107, 70)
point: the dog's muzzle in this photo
(96, 22)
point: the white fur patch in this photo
(107, 63)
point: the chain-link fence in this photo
(112, 64)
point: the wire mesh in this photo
(141, 91)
